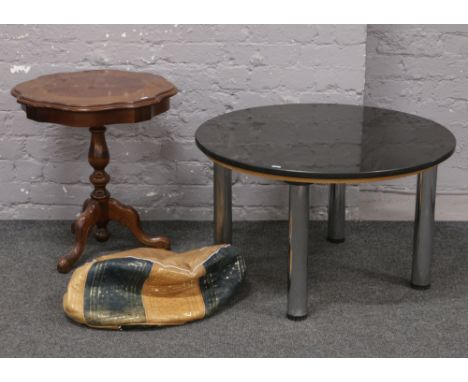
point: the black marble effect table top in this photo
(325, 141)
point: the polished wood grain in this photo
(96, 118)
(94, 99)
(128, 217)
(94, 90)
(100, 208)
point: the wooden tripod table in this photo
(94, 99)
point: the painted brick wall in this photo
(423, 70)
(155, 165)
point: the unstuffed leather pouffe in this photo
(149, 286)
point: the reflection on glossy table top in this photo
(94, 90)
(325, 141)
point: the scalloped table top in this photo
(94, 90)
(94, 97)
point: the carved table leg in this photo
(85, 204)
(83, 224)
(128, 216)
(99, 209)
(98, 157)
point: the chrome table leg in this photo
(222, 205)
(336, 213)
(298, 249)
(424, 228)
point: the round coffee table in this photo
(333, 144)
(93, 99)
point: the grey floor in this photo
(360, 303)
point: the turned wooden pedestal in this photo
(97, 98)
(100, 208)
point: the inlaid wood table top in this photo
(114, 96)
(324, 143)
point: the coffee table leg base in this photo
(420, 287)
(335, 241)
(336, 213)
(295, 318)
(424, 228)
(298, 250)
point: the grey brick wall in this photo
(155, 165)
(420, 69)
